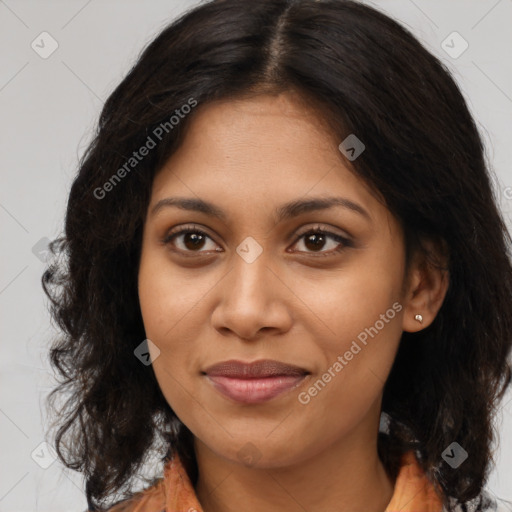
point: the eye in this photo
(316, 239)
(190, 239)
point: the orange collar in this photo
(175, 493)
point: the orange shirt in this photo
(175, 493)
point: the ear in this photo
(426, 287)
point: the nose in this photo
(253, 301)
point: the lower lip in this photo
(254, 391)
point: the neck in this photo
(347, 476)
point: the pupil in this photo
(193, 240)
(315, 245)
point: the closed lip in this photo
(264, 368)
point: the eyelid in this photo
(325, 229)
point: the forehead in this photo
(256, 153)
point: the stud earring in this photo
(419, 318)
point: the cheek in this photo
(166, 318)
(359, 332)
(174, 319)
(167, 296)
(352, 299)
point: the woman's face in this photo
(256, 286)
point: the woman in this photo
(287, 275)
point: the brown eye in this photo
(190, 240)
(316, 240)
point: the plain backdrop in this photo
(49, 106)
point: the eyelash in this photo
(344, 242)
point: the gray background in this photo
(49, 108)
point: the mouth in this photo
(256, 382)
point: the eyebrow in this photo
(285, 211)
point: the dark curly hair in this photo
(364, 74)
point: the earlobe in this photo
(426, 291)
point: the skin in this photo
(205, 304)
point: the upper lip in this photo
(256, 369)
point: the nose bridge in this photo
(251, 297)
(249, 277)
